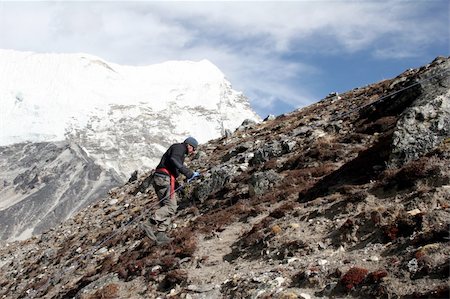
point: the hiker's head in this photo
(191, 144)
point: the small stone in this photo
(280, 280)
(289, 295)
(413, 265)
(102, 250)
(414, 212)
(200, 288)
(112, 201)
(294, 225)
(374, 258)
(305, 296)
(276, 229)
(322, 262)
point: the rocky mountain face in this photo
(96, 122)
(44, 183)
(346, 198)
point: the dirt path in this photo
(211, 269)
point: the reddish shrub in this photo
(173, 278)
(282, 210)
(107, 264)
(410, 173)
(376, 276)
(253, 238)
(123, 273)
(41, 282)
(353, 277)
(256, 234)
(376, 217)
(391, 232)
(185, 243)
(169, 262)
(403, 226)
(348, 224)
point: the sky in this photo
(283, 55)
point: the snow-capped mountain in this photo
(111, 110)
(121, 118)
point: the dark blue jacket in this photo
(173, 160)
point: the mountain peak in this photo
(44, 95)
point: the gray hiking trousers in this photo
(168, 204)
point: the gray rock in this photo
(426, 123)
(261, 182)
(246, 124)
(288, 146)
(237, 150)
(302, 131)
(217, 178)
(270, 117)
(269, 150)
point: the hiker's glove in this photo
(194, 175)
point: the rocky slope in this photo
(346, 198)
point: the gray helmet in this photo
(192, 141)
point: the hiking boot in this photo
(162, 238)
(147, 228)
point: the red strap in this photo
(172, 180)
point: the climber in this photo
(168, 169)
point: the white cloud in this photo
(280, 27)
(252, 42)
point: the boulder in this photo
(426, 123)
(215, 181)
(261, 182)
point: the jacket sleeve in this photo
(177, 161)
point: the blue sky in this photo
(281, 55)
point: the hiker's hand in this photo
(194, 175)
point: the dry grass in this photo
(414, 171)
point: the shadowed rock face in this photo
(332, 200)
(46, 183)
